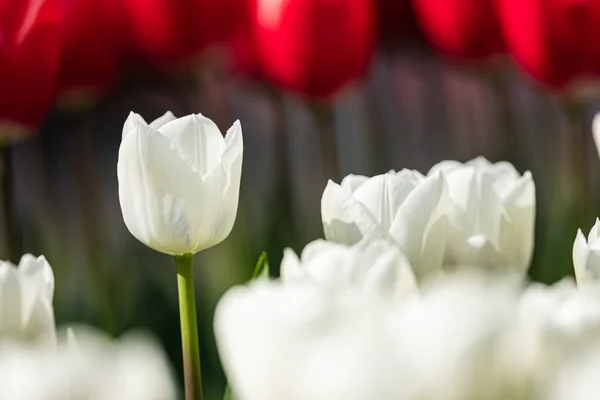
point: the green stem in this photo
(189, 327)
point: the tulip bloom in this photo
(372, 267)
(552, 40)
(26, 293)
(92, 48)
(179, 181)
(166, 31)
(397, 206)
(464, 29)
(30, 49)
(586, 256)
(314, 47)
(491, 210)
(87, 364)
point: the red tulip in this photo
(30, 48)
(169, 31)
(553, 40)
(94, 31)
(314, 47)
(464, 29)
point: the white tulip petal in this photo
(345, 219)
(40, 272)
(290, 269)
(156, 189)
(596, 131)
(594, 234)
(130, 123)
(198, 138)
(352, 182)
(414, 216)
(162, 120)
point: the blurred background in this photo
(323, 88)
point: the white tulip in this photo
(304, 341)
(375, 267)
(26, 293)
(586, 256)
(179, 181)
(93, 367)
(447, 339)
(578, 378)
(300, 341)
(397, 206)
(596, 131)
(491, 209)
(551, 324)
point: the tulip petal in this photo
(345, 219)
(160, 121)
(198, 138)
(161, 193)
(581, 253)
(352, 182)
(415, 216)
(131, 122)
(40, 272)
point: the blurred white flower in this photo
(26, 293)
(491, 210)
(179, 181)
(93, 367)
(375, 267)
(551, 324)
(300, 341)
(447, 339)
(304, 341)
(578, 378)
(586, 256)
(397, 206)
(596, 131)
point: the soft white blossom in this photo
(304, 341)
(376, 267)
(91, 367)
(491, 210)
(578, 378)
(26, 294)
(586, 256)
(397, 206)
(179, 181)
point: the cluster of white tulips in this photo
(418, 290)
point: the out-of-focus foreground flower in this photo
(88, 365)
(377, 268)
(26, 293)
(179, 181)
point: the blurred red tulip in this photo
(314, 47)
(553, 40)
(168, 31)
(94, 31)
(30, 49)
(464, 29)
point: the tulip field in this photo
(299, 200)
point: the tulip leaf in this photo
(261, 270)
(228, 395)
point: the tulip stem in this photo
(189, 327)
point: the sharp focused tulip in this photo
(26, 292)
(397, 206)
(314, 47)
(377, 268)
(491, 209)
(89, 366)
(92, 53)
(586, 256)
(179, 181)
(30, 49)
(465, 29)
(552, 40)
